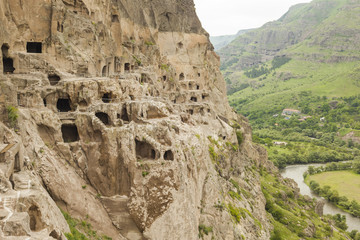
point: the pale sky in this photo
(225, 17)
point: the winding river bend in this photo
(296, 172)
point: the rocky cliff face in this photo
(118, 115)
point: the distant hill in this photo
(222, 41)
(316, 47)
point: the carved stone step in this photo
(116, 207)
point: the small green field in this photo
(347, 183)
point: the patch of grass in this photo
(12, 115)
(204, 230)
(234, 212)
(342, 181)
(81, 230)
(235, 195)
(239, 136)
(213, 155)
(145, 173)
(149, 43)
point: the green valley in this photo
(308, 60)
(297, 80)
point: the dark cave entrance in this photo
(181, 76)
(53, 79)
(63, 105)
(103, 117)
(34, 47)
(104, 71)
(70, 133)
(124, 114)
(169, 155)
(8, 63)
(106, 98)
(194, 99)
(17, 167)
(144, 150)
(127, 67)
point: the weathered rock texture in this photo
(123, 120)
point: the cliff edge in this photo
(116, 113)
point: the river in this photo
(296, 172)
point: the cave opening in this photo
(181, 76)
(63, 105)
(115, 18)
(124, 114)
(106, 98)
(127, 67)
(8, 63)
(34, 47)
(144, 150)
(53, 79)
(103, 117)
(104, 71)
(194, 99)
(35, 219)
(17, 167)
(70, 133)
(169, 155)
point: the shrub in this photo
(239, 136)
(12, 115)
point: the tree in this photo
(356, 164)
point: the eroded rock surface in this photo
(123, 121)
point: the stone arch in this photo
(103, 117)
(104, 71)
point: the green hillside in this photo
(307, 60)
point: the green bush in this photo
(12, 115)
(204, 230)
(239, 136)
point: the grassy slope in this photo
(324, 59)
(291, 215)
(347, 183)
(331, 80)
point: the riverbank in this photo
(296, 172)
(346, 183)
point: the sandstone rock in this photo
(118, 109)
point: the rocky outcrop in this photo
(118, 115)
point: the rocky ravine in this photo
(122, 120)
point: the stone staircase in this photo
(116, 206)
